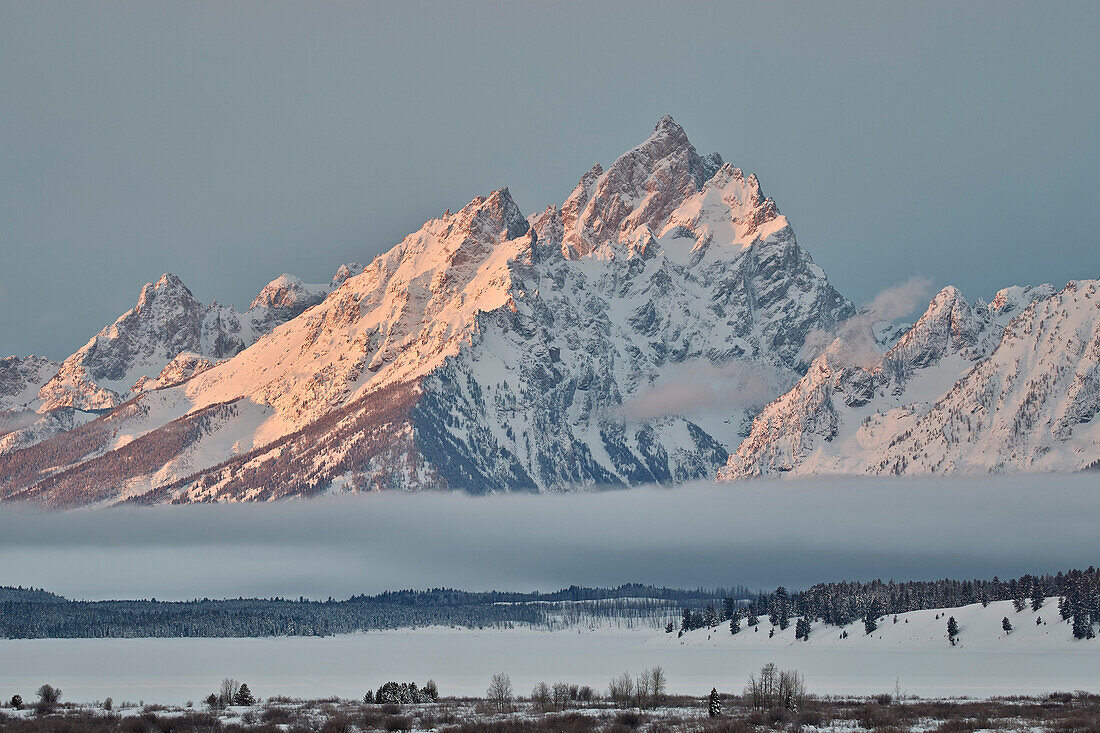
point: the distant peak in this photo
(168, 280)
(168, 283)
(667, 123)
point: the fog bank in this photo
(760, 534)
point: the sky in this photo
(228, 142)
(759, 534)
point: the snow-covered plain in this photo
(914, 654)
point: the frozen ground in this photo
(1035, 659)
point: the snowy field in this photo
(914, 652)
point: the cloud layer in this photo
(758, 533)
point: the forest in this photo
(36, 614)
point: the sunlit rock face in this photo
(1008, 386)
(487, 351)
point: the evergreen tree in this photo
(728, 608)
(1082, 628)
(735, 624)
(1036, 600)
(1019, 603)
(1006, 625)
(952, 629)
(802, 629)
(752, 620)
(685, 620)
(244, 697)
(670, 627)
(714, 707)
(780, 608)
(710, 617)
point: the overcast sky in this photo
(230, 142)
(759, 533)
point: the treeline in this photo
(24, 615)
(840, 604)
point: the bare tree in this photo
(621, 689)
(540, 696)
(562, 694)
(643, 688)
(775, 689)
(658, 684)
(48, 697)
(500, 692)
(228, 692)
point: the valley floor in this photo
(913, 655)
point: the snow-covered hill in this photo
(1013, 385)
(980, 629)
(485, 352)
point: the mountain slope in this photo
(485, 352)
(1009, 386)
(166, 339)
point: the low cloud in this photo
(853, 341)
(695, 387)
(760, 533)
(12, 420)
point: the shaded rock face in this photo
(969, 388)
(21, 378)
(487, 351)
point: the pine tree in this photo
(735, 624)
(753, 620)
(1036, 599)
(1019, 603)
(670, 627)
(1082, 628)
(728, 608)
(1006, 625)
(685, 620)
(714, 708)
(780, 608)
(952, 629)
(802, 629)
(710, 617)
(244, 697)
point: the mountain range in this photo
(655, 327)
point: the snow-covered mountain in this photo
(165, 339)
(1012, 385)
(487, 351)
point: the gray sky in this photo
(230, 142)
(759, 533)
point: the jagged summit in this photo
(641, 188)
(970, 388)
(483, 352)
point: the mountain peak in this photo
(168, 284)
(668, 125)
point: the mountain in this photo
(1008, 386)
(488, 351)
(167, 338)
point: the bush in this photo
(398, 722)
(630, 718)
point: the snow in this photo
(1012, 386)
(915, 655)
